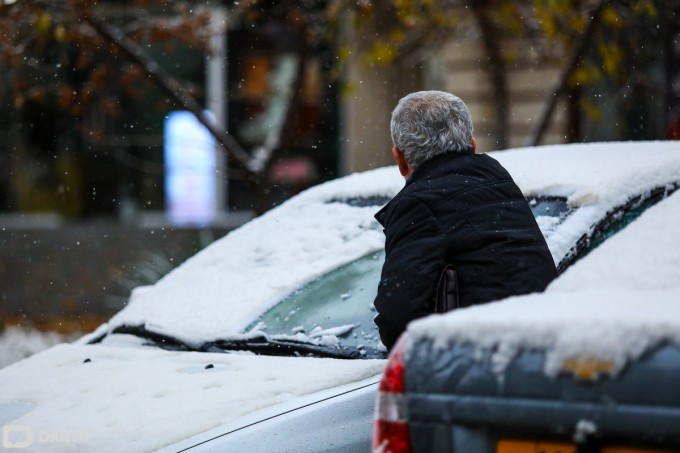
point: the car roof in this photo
(588, 173)
(220, 290)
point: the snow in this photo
(610, 325)
(222, 289)
(645, 256)
(589, 173)
(215, 294)
(17, 343)
(613, 305)
(219, 291)
(594, 177)
(135, 393)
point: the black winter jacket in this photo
(464, 210)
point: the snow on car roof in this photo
(587, 173)
(613, 305)
(594, 177)
(223, 288)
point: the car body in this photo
(590, 364)
(175, 368)
(264, 341)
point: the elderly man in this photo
(459, 210)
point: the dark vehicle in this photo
(590, 365)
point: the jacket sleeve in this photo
(415, 252)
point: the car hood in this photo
(99, 396)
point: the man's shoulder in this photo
(443, 177)
(407, 202)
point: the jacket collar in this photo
(418, 172)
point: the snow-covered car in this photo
(590, 364)
(265, 340)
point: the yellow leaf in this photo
(43, 23)
(611, 17)
(59, 33)
(612, 57)
(584, 76)
(397, 35)
(382, 53)
(645, 7)
(344, 52)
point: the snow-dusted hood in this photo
(223, 288)
(76, 397)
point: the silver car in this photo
(265, 341)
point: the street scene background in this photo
(134, 134)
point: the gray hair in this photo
(426, 124)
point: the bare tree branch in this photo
(559, 87)
(175, 91)
(497, 71)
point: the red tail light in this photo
(390, 427)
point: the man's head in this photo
(426, 124)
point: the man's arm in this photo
(415, 248)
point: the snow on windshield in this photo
(614, 304)
(220, 290)
(223, 288)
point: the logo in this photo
(17, 436)
(20, 436)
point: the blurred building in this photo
(94, 204)
(643, 105)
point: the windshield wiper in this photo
(260, 344)
(163, 341)
(280, 347)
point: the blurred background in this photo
(133, 133)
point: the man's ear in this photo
(474, 145)
(401, 162)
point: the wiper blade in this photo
(163, 341)
(279, 347)
(260, 344)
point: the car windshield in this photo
(337, 307)
(332, 316)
